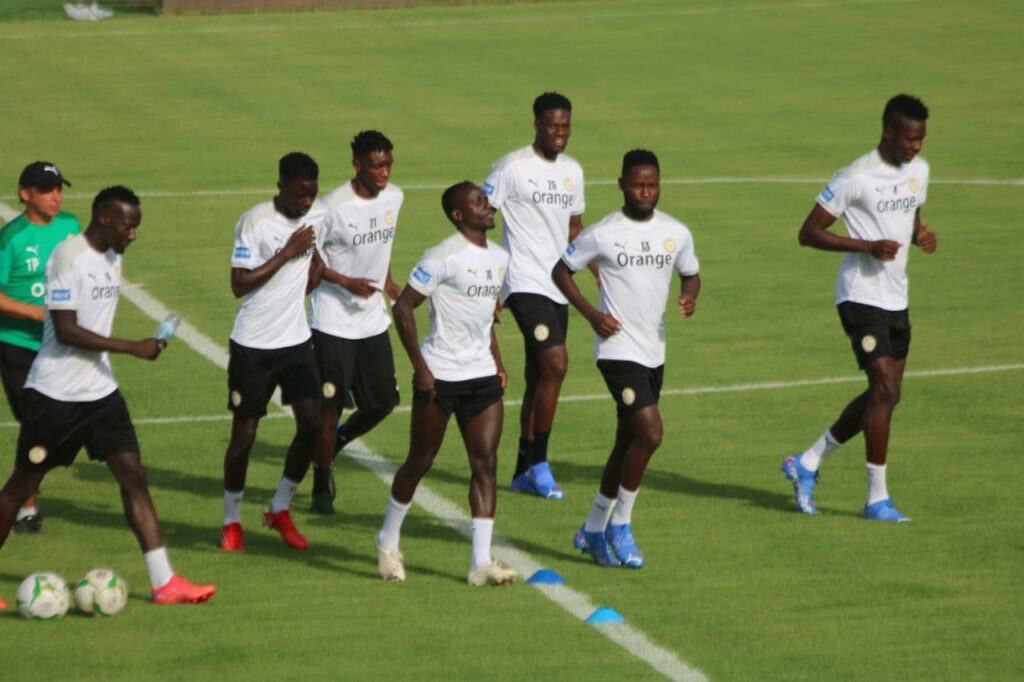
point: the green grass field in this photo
(750, 106)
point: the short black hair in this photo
(368, 141)
(549, 101)
(639, 157)
(298, 165)
(448, 198)
(114, 193)
(904, 105)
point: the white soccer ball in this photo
(101, 593)
(43, 596)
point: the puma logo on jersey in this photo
(472, 271)
(33, 250)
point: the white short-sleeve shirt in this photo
(636, 260)
(358, 245)
(79, 278)
(876, 201)
(462, 281)
(274, 315)
(536, 198)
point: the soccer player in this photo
(350, 317)
(270, 345)
(879, 197)
(71, 398)
(456, 370)
(539, 191)
(25, 246)
(637, 249)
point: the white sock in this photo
(624, 506)
(283, 497)
(599, 514)
(482, 530)
(876, 483)
(159, 567)
(814, 456)
(26, 511)
(233, 506)
(390, 532)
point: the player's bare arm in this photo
(496, 354)
(689, 289)
(65, 324)
(575, 227)
(923, 238)
(316, 272)
(405, 325)
(391, 288)
(815, 233)
(18, 309)
(604, 324)
(244, 281)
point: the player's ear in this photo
(357, 165)
(622, 184)
(23, 194)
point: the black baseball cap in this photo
(42, 175)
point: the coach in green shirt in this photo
(25, 245)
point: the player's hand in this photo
(926, 241)
(149, 349)
(503, 377)
(362, 287)
(300, 241)
(496, 316)
(687, 306)
(392, 290)
(884, 249)
(605, 325)
(423, 382)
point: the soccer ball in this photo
(43, 596)
(101, 593)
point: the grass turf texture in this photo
(738, 584)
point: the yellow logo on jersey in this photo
(670, 245)
(914, 185)
(868, 343)
(389, 217)
(501, 273)
(568, 184)
(37, 455)
(329, 390)
(628, 396)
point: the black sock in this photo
(540, 446)
(525, 457)
(321, 480)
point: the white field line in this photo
(582, 14)
(269, 190)
(631, 639)
(590, 397)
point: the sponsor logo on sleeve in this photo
(421, 275)
(571, 249)
(827, 194)
(242, 252)
(488, 188)
(57, 295)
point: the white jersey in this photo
(636, 260)
(358, 245)
(463, 281)
(536, 198)
(79, 278)
(274, 315)
(876, 201)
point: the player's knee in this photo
(886, 393)
(555, 366)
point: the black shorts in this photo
(465, 399)
(56, 430)
(875, 332)
(542, 322)
(364, 368)
(254, 373)
(15, 362)
(632, 385)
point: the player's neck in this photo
(476, 237)
(887, 156)
(637, 216)
(95, 239)
(550, 157)
(37, 218)
(364, 191)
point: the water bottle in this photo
(168, 327)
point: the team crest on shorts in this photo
(628, 396)
(670, 245)
(389, 217)
(236, 398)
(868, 343)
(37, 455)
(568, 184)
(541, 332)
(329, 390)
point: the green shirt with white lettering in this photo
(24, 249)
